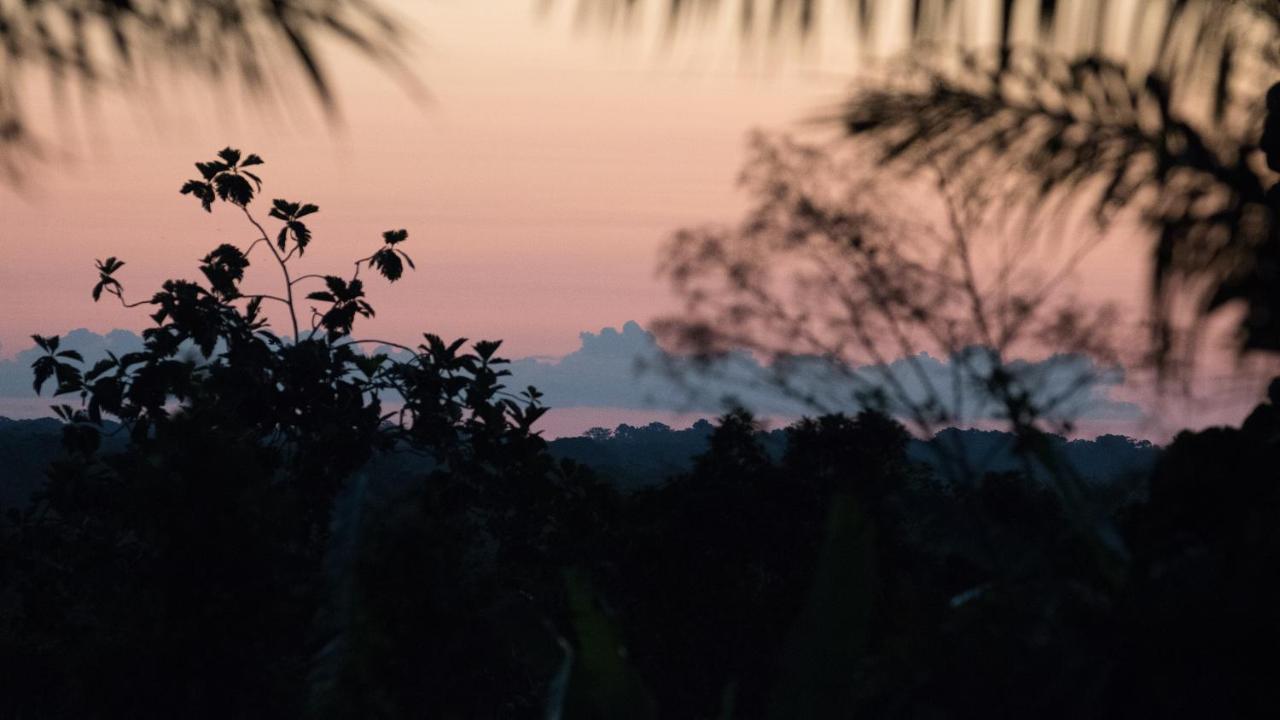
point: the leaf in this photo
(301, 235)
(201, 190)
(486, 348)
(280, 209)
(336, 285)
(230, 155)
(322, 296)
(100, 367)
(251, 159)
(211, 169)
(305, 210)
(395, 236)
(233, 188)
(72, 355)
(43, 369)
(68, 377)
(224, 268)
(252, 309)
(387, 262)
(369, 365)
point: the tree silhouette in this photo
(838, 286)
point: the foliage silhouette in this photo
(192, 561)
(629, 458)
(272, 540)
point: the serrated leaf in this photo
(229, 155)
(301, 235)
(233, 188)
(388, 263)
(208, 170)
(201, 190)
(280, 209)
(251, 159)
(224, 268)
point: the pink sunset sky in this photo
(538, 178)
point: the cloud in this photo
(15, 373)
(626, 369)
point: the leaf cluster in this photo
(225, 179)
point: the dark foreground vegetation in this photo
(630, 458)
(260, 537)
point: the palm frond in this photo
(270, 48)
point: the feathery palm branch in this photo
(267, 45)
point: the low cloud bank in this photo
(626, 369)
(15, 372)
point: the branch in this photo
(288, 283)
(381, 342)
(277, 298)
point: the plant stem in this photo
(288, 283)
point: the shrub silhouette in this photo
(184, 575)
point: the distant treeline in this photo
(633, 457)
(637, 456)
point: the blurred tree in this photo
(851, 296)
(1039, 107)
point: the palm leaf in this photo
(215, 39)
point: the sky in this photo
(539, 177)
(537, 182)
